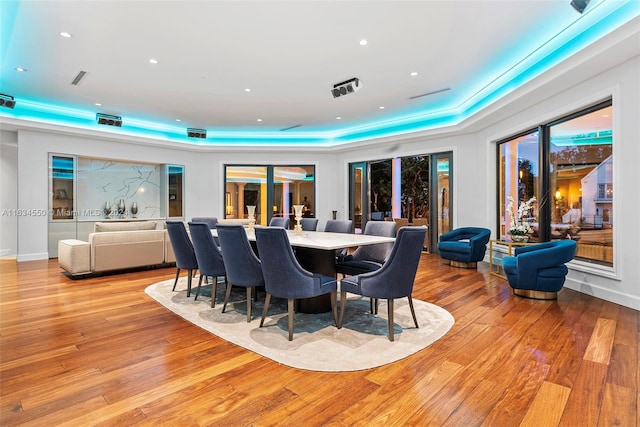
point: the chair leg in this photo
(343, 306)
(176, 281)
(390, 317)
(214, 291)
(198, 288)
(267, 300)
(373, 304)
(413, 313)
(226, 297)
(290, 302)
(249, 292)
(189, 281)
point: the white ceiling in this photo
(289, 53)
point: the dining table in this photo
(316, 252)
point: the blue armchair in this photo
(465, 246)
(539, 271)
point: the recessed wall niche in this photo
(117, 185)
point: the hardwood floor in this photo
(99, 351)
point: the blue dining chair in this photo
(368, 257)
(211, 221)
(309, 224)
(339, 226)
(284, 277)
(279, 222)
(183, 251)
(209, 257)
(241, 263)
(393, 280)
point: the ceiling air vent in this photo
(79, 77)
(289, 128)
(431, 93)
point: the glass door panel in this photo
(358, 194)
(293, 185)
(246, 186)
(441, 198)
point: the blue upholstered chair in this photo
(279, 222)
(368, 257)
(394, 279)
(183, 251)
(539, 271)
(211, 221)
(240, 262)
(339, 226)
(209, 257)
(309, 224)
(284, 277)
(465, 246)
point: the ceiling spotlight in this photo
(109, 120)
(348, 86)
(7, 101)
(579, 5)
(153, 61)
(196, 133)
(66, 35)
(363, 42)
(21, 70)
(414, 73)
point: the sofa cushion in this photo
(124, 226)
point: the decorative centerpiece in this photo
(519, 228)
(297, 209)
(251, 209)
(134, 209)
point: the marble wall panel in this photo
(102, 181)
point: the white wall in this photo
(8, 193)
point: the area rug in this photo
(317, 344)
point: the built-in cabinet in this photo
(86, 190)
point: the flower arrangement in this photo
(518, 225)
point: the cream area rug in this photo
(317, 344)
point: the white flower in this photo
(518, 224)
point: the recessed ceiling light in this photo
(381, 107)
(363, 42)
(414, 73)
(20, 69)
(338, 118)
(97, 104)
(66, 35)
(259, 120)
(178, 120)
(153, 61)
(247, 90)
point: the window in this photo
(273, 190)
(567, 165)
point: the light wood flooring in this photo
(100, 352)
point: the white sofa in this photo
(116, 246)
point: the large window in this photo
(567, 165)
(273, 190)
